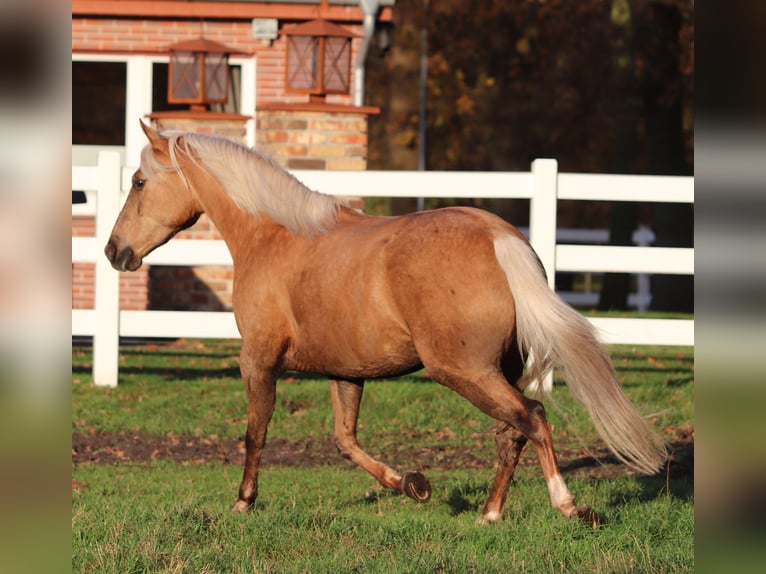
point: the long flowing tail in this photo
(557, 335)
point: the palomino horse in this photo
(322, 288)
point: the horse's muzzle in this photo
(121, 259)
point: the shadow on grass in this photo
(463, 498)
(676, 478)
(466, 497)
(186, 373)
(168, 373)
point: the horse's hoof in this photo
(240, 506)
(491, 517)
(416, 486)
(587, 515)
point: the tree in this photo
(589, 83)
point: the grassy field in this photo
(141, 503)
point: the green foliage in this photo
(512, 81)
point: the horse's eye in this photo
(138, 184)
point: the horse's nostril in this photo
(126, 260)
(110, 250)
(121, 259)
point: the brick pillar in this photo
(225, 125)
(301, 139)
(315, 136)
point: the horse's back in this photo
(454, 285)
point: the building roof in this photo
(337, 10)
(319, 27)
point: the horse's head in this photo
(159, 205)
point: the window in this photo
(98, 103)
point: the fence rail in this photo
(543, 186)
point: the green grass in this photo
(173, 517)
(165, 517)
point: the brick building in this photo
(293, 83)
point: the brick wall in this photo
(300, 139)
(178, 288)
(225, 125)
(132, 35)
(199, 288)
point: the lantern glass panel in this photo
(216, 77)
(337, 65)
(302, 62)
(186, 81)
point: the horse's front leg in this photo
(261, 393)
(346, 397)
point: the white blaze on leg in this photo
(560, 495)
(490, 517)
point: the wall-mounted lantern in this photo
(318, 59)
(198, 73)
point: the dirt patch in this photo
(109, 448)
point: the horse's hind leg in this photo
(495, 396)
(510, 443)
(346, 397)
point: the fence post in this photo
(542, 214)
(542, 229)
(106, 298)
(643, 236)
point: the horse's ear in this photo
(153, 135)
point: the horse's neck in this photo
(238, 228)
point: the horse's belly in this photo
(356, 353)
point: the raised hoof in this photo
(240, 506)
(416, 486)
(587, 515)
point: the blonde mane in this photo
(254, 181)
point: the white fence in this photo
(543, 186)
